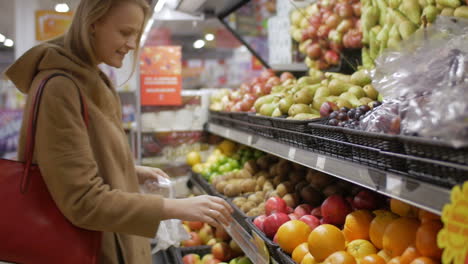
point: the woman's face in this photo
(117, 33)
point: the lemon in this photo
(193, 158)
(227, 147)
(198, 168)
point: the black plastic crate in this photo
(208, 188)
(239, 216)
(262, 125)
(295, 125)
(434, 149)
(369, 146)
(242, 116)
(285, 257)
(294, 138)
(329, 140)
(272, 247)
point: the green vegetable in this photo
(449, 3)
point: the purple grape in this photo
(344, 109)
(333, 122)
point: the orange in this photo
(395, 260)
(400, 234)
(378, 225)
(300, 251)
(373, 259)
(340, 257)
(291, 234)
(360, 248)
(410, 254)
(426, 239)
(325, 240)
(425, 216)
(308, 259)
(357, 225)
(403, 209)
(424, 260)
(385, 255)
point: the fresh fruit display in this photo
(387, 23)
(324, 29)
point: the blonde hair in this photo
(88, 12)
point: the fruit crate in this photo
(272, 246)
(239, 216)
(329, 140)
(367, 148)
(262, 125)
(221, 118)
(294, 138)
(436, 161)
(295, 125)
(171, 255)
(180, 252)
(285, 257)
(241, 116)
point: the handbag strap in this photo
(32, 124)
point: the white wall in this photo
(25, 31)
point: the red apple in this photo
(195, 225)
(221, 251)
(222, 234)
(353, 39)
(302, 209)
(357, 9)
(311, 32)
(345, 25)
(323, 31)
(315, 20)
(191, 259)
(325, 15)
(367, 200)
(293, 216)
(332, 57)
(255, 81)
(327, 108)
(333, 21)
(290, 210)
(212, 261)
(344, 10)
(259, 221)
(244, 88)
(194, 240)
(275, 205)
(237, 107)
(335, 209)
(317, 212)
(206, 258)
(274, 80)
(336, 47)
(266, 74)
(311, 221)
(267, 88)
(322, 64)
(258, 89)
(286, 76)
(349, 199)
(314, 51)
(273, 222)
(235, 96)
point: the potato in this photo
(291, 200)
(247, 206)
(244, 174)
(333, 189)
(281, 190)
(220, 186)
(261, 173)
(251, 167)
(248, 185)
(261, 180)
(267, 186)
(273, 170)
(263, 162)
(284, 167)
(232, 190)
(272, 194)
(238, 201)
(253, 212)
(311, 195)
(279, 179)
(318, 179)
(296, 176)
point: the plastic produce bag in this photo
(170, 232)
(428, 79)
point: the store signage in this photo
(51, 24)
(453, 238)
(160, 75)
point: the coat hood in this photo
(50, 55)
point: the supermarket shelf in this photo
(241, 236)
(421, 194)
(290, 67)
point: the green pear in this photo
(276, 112)
(412, 10)
(406, 29)
(360, 78)
(303, 96)
(316, 75)
(332, 98)
(305, 116)
(380, 98)
(299, 108)
(371, 92)
(322, 92)
(431, 13)
(311, 64)
(338, 87)
(244, 260)
(339, 76)
(350, 97)
(285, 103)
(277, 89)
(317, 103)
(307, 80)
(263, 100)
(447, 11)
(461, 11)
(357, 90)
(343, 103)
(267, 109)
(303, 46)
(365, 100)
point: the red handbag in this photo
(32, 229)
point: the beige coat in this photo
(89, 172)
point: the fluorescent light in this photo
(9, 43)
(209, 37)
(62, 8)
(199, 44)
(2, 38)
(159, 6)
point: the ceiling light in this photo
(9, 43)
(2, 38)
(209, 37)
(62, 8)
(199, 44)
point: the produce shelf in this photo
(421, 194)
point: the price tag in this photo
(321, 162)
(365, 177)
(292, 153)
(228, 133)
(394, 184)
(249, 140)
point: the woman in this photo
(90, 171)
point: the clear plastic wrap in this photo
(170, 232)
(428, 79)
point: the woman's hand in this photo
(204, 208)
(148, 173)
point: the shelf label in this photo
(228, 133)
(249, 140)
(394, 184)
(321, 162)
(292, 153)
(365, 177)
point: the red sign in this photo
(160, 75)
